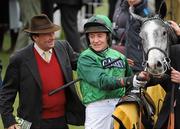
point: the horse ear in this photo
(161, 8)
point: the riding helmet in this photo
(99, 23)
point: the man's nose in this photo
(96, 39)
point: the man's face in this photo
(98, 41)
(45, 41)
(133, 2)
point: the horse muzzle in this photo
(158, 68)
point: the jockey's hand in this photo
(140, 79)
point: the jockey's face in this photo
(98, 41)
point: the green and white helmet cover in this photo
(98, 23)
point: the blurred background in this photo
(14, 17)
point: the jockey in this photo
(105, 74)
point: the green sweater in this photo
(98, 82)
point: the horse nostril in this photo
(147, 65)
(159, 64)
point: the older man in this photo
(33, 72)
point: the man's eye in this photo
(100, 35)
(91, 36)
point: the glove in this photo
(137, 83)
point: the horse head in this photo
(155, 33)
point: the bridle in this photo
(166, 61)
(171, 37)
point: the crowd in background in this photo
(16, 15)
